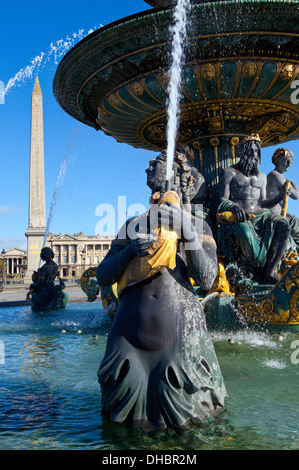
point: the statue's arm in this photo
(200, 189)
(201, 256)
(274, 185)
(224, 185)
(114, 264)
(198, 242)
(294, 190)
(122, 251)
(41, 279)
(272, 191)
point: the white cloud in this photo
(5, 210)
(9, 242)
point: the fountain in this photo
(235, 81)
(241, 58)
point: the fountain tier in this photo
(241, 61)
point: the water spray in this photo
(61, 176)
(178, 31)
(55, 51)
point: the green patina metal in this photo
(262, 306)
(241, 59)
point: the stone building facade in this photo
(76, 253)
(15, 262)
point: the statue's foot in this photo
(271, 279)
(267, 278)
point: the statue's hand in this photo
(285, 190)
(240, 213)
(172, 217)
(141, 244)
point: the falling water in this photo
(55, 52)
(178, 31)
(60, 179)
(62, 172)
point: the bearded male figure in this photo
(160, 368)
(256, 237)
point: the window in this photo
(96, 259)
(64, 259)
(57, 259)
(73, 259)
(56, 248)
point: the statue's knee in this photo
(240, 229)
(244, 240)
(284, 228)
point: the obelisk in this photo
(37, 207)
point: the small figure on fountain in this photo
(44, 294)
(277, 183)
(160, 368)
(252, 236)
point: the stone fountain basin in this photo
(241, 61)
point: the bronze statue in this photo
(278, 185)
(160, 368)
(45, 295)
(254, 235)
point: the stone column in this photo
(37, 211)
(77, 261)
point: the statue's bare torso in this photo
(247, 191)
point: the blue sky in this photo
(99, 169)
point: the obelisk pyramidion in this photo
(37, 207)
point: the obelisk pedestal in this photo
(37, 210)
